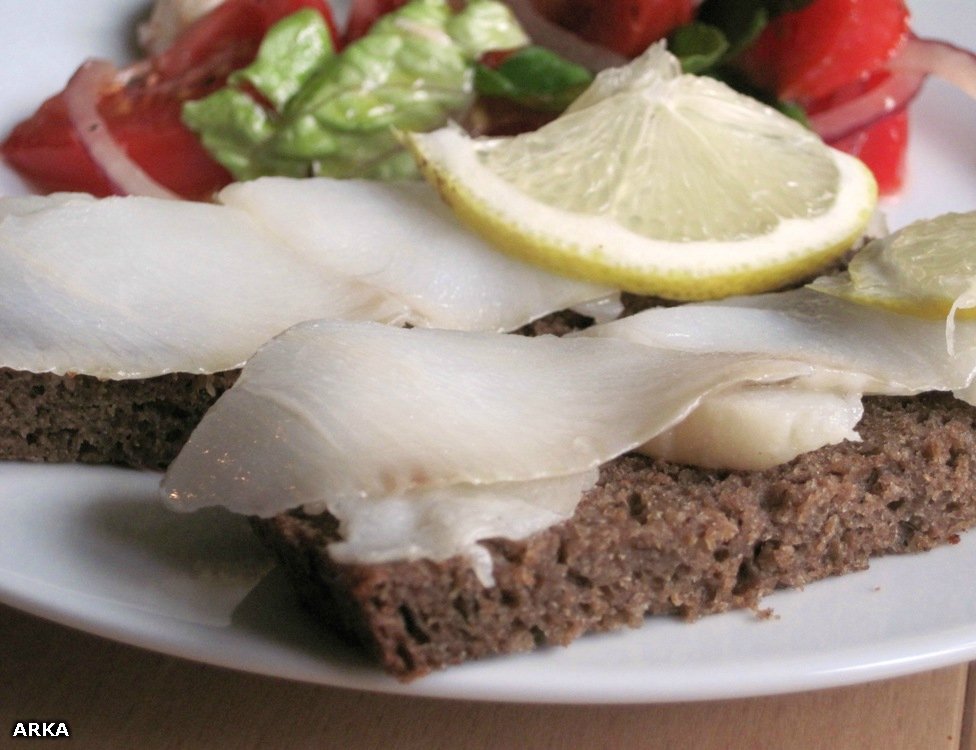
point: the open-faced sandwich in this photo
(458, 452)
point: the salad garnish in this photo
(322, 112)
(849, 69)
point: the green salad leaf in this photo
(698, 46)
(302, 108)
(722, 30)
(326, 113)
(534, 77)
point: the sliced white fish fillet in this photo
(402, 238)
(440, 523)
(334, 412)
(423, 442)
(322, 417)
(135, 287)
(895, 354)
(22, 205)
(755, 427)
(856, 350)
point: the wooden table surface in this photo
(115, 696)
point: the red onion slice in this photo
(563, 42)
(890, 96)
(81, 97)
(945, 60)
(909, 67)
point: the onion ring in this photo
(81, 98)
(909, 67)
(890, 96)
(939, 58)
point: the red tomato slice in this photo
(882, 147)
(880, 141)
(625, 26)
(143, 113)
(46, 149)
(830, 43)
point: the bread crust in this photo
(83, 419)
(656, 539)
(652, 538)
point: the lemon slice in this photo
(927, 269)
(658, 183)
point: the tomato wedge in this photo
(626, 26)
(812, 52)
(883, 147)
(142, 108)
(829, 52)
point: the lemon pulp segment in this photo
(927, 269)
(660, 183)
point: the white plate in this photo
(91, 548)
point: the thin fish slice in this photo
(422, 442)
(136, 287)
(333, 412)
(401, 238)
(440, 523)
(897, 354)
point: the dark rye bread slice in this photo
(137, 423)
(79, 418)
(654, 538)
(143, 423)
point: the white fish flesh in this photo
(321, 417)
(755, 427)
(423, 441)
(897, 354)
(403, 239)
(856, 349)
(136, 287)
(440, 523)
(339, 411)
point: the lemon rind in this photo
(677, 270)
